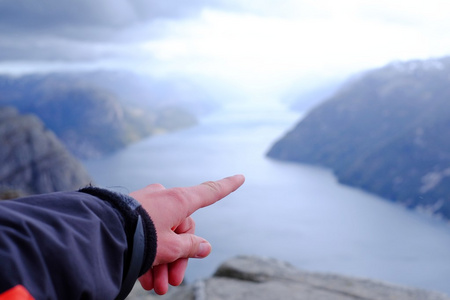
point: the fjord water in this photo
(292, 212)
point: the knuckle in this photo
(189, 226)
(156, 185)
(171, 250)
(179, 196)
(213, 185)
(192, 246)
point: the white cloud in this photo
(262, 46)
(267, 53)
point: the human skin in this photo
(170, 211)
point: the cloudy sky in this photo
(260, 46)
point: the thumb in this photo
(194, 246)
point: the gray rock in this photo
(386, 132)
(33, 160)
(88, 112)
(251, 277)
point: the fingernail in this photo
(203, 250)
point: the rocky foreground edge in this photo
(252, 277)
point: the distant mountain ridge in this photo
(33, 161)
(87, 112)
(385, 132)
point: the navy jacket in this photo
(90, 244)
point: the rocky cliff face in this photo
(90, 118)
(385, 132)
(33, 160)
(250, 277)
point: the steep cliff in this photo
(89, 116)
(32, 158)
(385, 132)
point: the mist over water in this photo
(292, 212)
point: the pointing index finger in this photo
(210, 192)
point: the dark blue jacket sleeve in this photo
(90, 244)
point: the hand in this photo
(171, 210)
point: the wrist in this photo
(135, 220)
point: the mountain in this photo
(310, 93)
(88, 111)
(32, 158)
(386, 132)
(150, 92)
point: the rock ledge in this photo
(251, 277)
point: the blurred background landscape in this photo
(337, 113)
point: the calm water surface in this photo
(292, 212)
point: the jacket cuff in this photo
(131, 209)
